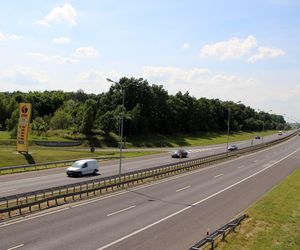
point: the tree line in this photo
(147, 109)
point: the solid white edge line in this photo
(5, 191)
(137, 188)
(194, 204)
(219, 175)
(178, 190)
(33, 217)
(15, 247)
(120, 211)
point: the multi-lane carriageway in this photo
(170, 214)
(32, 181)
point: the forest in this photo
(148, 109)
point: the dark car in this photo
(257, 137)
(180, 153)
(232, 147)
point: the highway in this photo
(36, 180)
(170, 214)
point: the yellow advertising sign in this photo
(25, 110)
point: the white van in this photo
(82, 167)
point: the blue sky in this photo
(231, 50)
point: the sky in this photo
(231, 50)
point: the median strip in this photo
(194, 204)
(21, 204)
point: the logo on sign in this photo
(24, 109)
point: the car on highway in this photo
(280, 133)
(180, 153)
(232, 147)
(83, 167)
(257, 137)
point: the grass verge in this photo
(199, 139)
(274, 221)
(9, 156)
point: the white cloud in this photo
(2, 37)
(185, 46)
(23, 78)
(13, 37)
(61, 14)
(265, 52)
(54, 59)
(86, 52)
(61, 40)
(231, 49)
(174, 73)
(79, 53)
(94, 81)
(201, 82)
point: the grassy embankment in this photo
(200, 139)
(274, 221)
(9, 156)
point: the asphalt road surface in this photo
(173, 213)
(36, 180)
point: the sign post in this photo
(25, 110)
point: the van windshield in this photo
(76, 165)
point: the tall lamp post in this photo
(228, 125)
(122, 123)
(262, 138)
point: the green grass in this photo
(179, 140)
(9, 156)
(274, 221)
(200, 139)
(4, 135)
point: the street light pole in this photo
(122, 125)
(228, 125)
(262, 138)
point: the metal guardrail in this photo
(47, 165)
(26, 202)
(222, 231)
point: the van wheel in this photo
(79, 174)
(94, 172)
